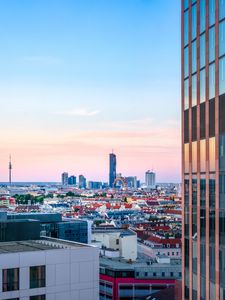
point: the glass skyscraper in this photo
(203, 148)
(112, 169)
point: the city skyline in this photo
(87, 78)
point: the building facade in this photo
(48, 269)
(203, 149)
(150, 180)
(112, 169)
(65, 178)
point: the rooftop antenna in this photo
(10, 170)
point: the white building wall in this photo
(70, 273)
(128, 247)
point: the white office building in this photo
(150, 179)
(48, 269)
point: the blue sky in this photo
(82, 76)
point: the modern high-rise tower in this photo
(112, 169)
(203, 148)
(150, 179)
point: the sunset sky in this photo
(79, 78)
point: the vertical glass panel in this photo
(212, 44)
(186, 62)
(186, 4)
(222, 38)
(186, 158)
(202, 85)
(186, 27)
(212, 190)
(212, 11)
(202, 50)
(222, 76)
(202, 15)
(186, 94)
(212, 156)
(212, 84)
(194, 90)
(202, 155)
(194, 157)
(221, 9)
(194, 57)
(194, 21)
(222, 152)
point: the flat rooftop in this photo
(38, 245)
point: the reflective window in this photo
(212, 12)
(212, 85)
(222, 152)
(37, 277)
(222, 76)
(222, 38)
(194, 21)
(186, 4)
(194, 90)
(194, 57)
(202, 15)
(186, 94)
(212, 190)
(10, 280)
(186, 27)
(186, 61)
(212, 156)
(202, 155)
(221, 9)
(202, 85)
(202, 50)
(212, 44)
(194, 157)
(186, 158)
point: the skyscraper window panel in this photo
(186, 158)
(222, 38)
(202, 155)
(194, 157)
(186, 126)
(194, 90)
(211, 44)
(202, 85)
(194, 21)
(222, 152)
(186, 94)
(221, 9)
(186, 27)
(186, 4)
(202, 15)
(194, 57)
(212, 118)
(212, 12)
(202, 51)
(212, 81)
(212, 156)
(194, 123)
(186, 62)
(222, 76)
(202, 121)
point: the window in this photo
(171, 274)
(222, 76)
(163, 274)
(222, 38)
(37, 277)
(186, 61)
(194, 57)
(202, 15)
(221, 9)
(154, 274)
(146, 274)
(202, 51)
(186, 3)
(212, 44)
(10, 280)
(39, 297)
(212, 81)
(194, 21)
(194, 90)
(117, 241)
(186, 16)
(202, 85)
(212, 12)
(186, 94)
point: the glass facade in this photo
(204, 149)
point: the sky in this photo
(79, 78)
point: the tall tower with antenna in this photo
(10, 170)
